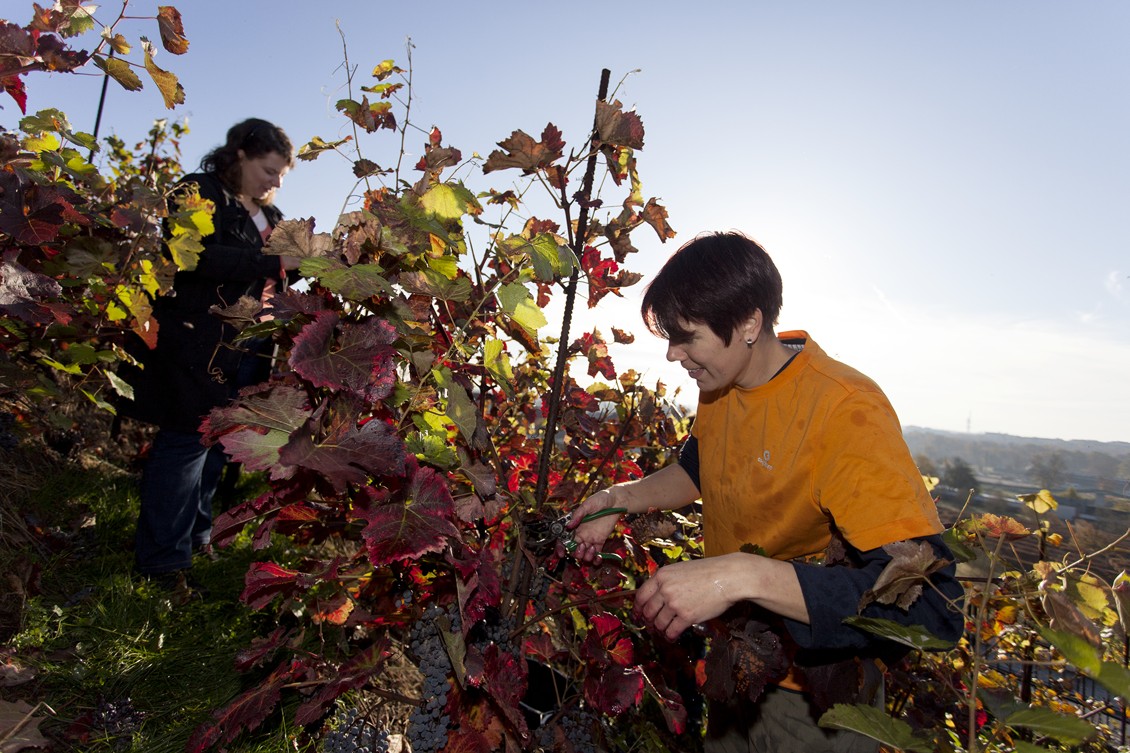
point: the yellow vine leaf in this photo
(1040, 502)
(171, 90)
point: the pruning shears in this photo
(558, 531)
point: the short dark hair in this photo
(719, 280)
(255, 137)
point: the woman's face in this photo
(710, 362)
(259, 176)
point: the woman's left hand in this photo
(687, 593)
(683, 594)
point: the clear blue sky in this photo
(945, 186)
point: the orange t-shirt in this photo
(818, 444)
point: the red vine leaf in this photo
(257, 425)
(347, 454)
(406, 530)
(521, 151)
(595, 349)
(17, 44)
(247, 711)
(671, 704)
(604, 275)
(266, 580)
(31, 214)
(262, 648)
(504, 679)
(359, 359)
(353, 675)
(478, 585)
(606, 643)
(900, 583)
(615, 689)
(16, 90)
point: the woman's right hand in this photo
(590, 537)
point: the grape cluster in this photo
(577, 725)
(427, 726)
(495, 629)
(350, 732)
(116, 721)
(539, 589)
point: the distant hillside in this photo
(1002, 454)
(1116, 449)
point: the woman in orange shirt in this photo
(788, 446)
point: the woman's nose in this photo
(674, 352)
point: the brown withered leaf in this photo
(653, 525)
(172, 30)
(900, 583)
(118, 43)
(744, 657)
(297, 238)
(618, 128)
(623, 337)
(655, 214)
(57, 57)
(19, 726)
(1066, 617)
(241, 314)
(521, 151)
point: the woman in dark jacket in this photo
(196, 366)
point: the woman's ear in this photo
(241, 154)
(751, 329)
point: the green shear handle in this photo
(570, 544)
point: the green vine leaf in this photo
(914, 636)
(1088, 659)
(120, 71)
(876, 724)
(355, 283)
(519, 304)
(1070, 730)
(450, 202)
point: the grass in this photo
(95, 633)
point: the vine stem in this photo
(105, 82)
(975, 660)
(558, 385)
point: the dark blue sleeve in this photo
(833, 593)
(688, 459)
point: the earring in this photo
(749, 342)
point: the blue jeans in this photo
(177, 487)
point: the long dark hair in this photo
(255, 137)
(718, 279)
